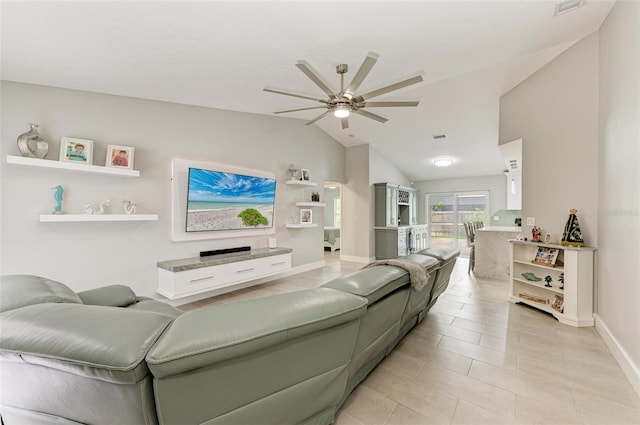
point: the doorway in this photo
(332, 216)
(447, 212)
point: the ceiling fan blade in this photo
(317, 118)
(362, 72)
(315, 77)
(372, 116)
(300, 109)
(345, 123)
(390, 103)
(396, 86)
(286, 93)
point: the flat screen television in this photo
(222, 201)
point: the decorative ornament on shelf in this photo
(572, 236)
(103, 204)
(536, 234)
(87, 209)
(129, 207)
(561, 280)
(293, 171)
(548, 279)
(31, 144)
(531, 277)
(57, 195)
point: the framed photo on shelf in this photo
(546, 257)
(558, 303)
(304, 174)
(78, 151)
(306, 216)
(120, 156)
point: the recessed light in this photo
(439, 136)
(443, 161)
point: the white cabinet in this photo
(571, 304)
(190, 276)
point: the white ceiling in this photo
(221, 54)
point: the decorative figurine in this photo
(103, 204)
(293, 171)
(31, 144)
(572, 235)
(128, 207)
(561, 280)
(535, 234)
(57, 195)
(531, 277)
(548, 279)
(315, 197)
(87, 209)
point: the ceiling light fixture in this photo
(341, 111)
(567, 5)
(443, 161)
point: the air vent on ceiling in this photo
(439, 136)
(567, 5)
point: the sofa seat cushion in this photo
(22, 290)
(441, 253)
(106, 343)
(372, 283)
(211, 335)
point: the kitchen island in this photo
(492, 251)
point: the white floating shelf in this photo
(85, 168)
(301, 183)
(311, 204)
(301, 226)
(60, 218)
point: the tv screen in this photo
(228, 201)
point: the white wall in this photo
(88, 255)
(555, 112)
(495, 185)
(330, 195)
(618, 294)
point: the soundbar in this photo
(224, 251)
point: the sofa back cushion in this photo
(22, 290)
(372, 283)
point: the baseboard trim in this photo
(629, 368)
(356, 259)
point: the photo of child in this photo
(78, 151)
(119, 156)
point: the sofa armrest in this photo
(111, 296)
(210, 335)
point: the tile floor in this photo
(478, 359)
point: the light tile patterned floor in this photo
(478, 359)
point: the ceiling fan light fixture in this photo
(443, 161)
(341, 111)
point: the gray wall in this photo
(355, 206)
(330, 195)
(555, 112)
(88, 255)
(495, 185)
(618, 294)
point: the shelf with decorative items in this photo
(553, 278)
(301, 183)
(300, 225)
(70, 166)
(310, 204)
(67, 218)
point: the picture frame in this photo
(306, 216)
(77, 151)
(304, 174)
(546, 256)
(120, 156)
(558, 303)
(547, 238)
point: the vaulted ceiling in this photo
(221, 54)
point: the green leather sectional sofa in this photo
(106, 356)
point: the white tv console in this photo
(190, 276)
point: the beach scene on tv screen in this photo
(227, 201)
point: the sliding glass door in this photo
(448, 211)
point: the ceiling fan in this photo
(346, 101)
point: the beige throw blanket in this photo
(418, 275)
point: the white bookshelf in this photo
(67, 218)
(70, 166)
